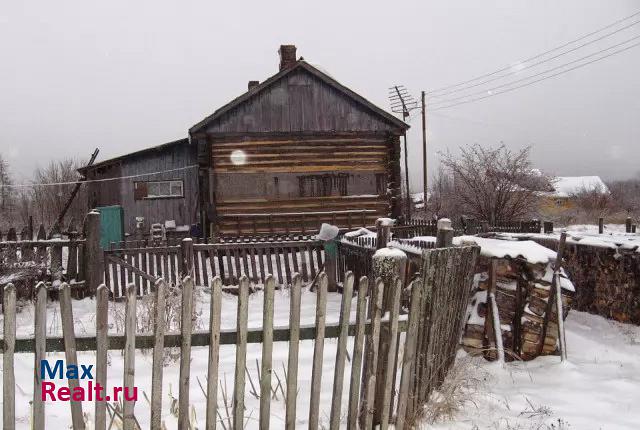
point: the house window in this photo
(158, 189)
(323, 185)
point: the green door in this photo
(111, 225)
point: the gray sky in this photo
(124, 75)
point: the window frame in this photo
(171, 183)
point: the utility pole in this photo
(424, 150)
(402, 102)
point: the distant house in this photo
(566, 188)
(291, 152)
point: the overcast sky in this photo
(125, 75)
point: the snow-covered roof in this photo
(566, 186)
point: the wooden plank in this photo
(232, 278)
(196, 267)
(144, 266)
(390, 372)
(158, 354)
(185, 352)
(132, 269)
(312, 268)
(267, 352)
(40, 334)
(205, 257)
(137, 273)
(294, 259)
(71, 356)
(372, 364)
(356, 363)
(198, 338)
(318, 352)
(8, 369)
(236, 257)
(254, 275)
(409, 356)
(294, 346)
(281, 280)
(214, 353)
(241, 353)
(129, 420)
(287, 264)
(341, 352)
(263, 275)
(115, 284)
(102, 346)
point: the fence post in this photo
(383, 233)
(600, 225)
(548, 227)
(628, 225)
(444, 236)
(93, 260)
(186, 261)
(389, 264)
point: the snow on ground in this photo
(58, 413)
(598, 388)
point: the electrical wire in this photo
(535, 57)
(89, 181)
(438, 102)
(514, 72)
(539, 80)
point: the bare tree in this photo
(52, 187)
(494, 184)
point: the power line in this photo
(52, 184)
(526, 78)
(514, 72)
(535, 57)
(539, 80)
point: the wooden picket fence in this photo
(360, 399)
(144, 265)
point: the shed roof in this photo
(145, 151)
(565, 186)
(315, 71)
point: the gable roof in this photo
(300, 64)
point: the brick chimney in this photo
(287, 56)
(253, 84)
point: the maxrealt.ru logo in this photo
(79, 394)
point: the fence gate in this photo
(447, 276)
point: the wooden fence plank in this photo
(390, 372)
(372, 364)
(102, 347)
(318, 352)
(214, 353)
(356, 364)
(341, 353)
(267, 352)
(129, 421)
(158, 354)
(185, 352)
(294, 346)
(40, 335)
(241, 354)
(71, 356)
(409, 356)
(8, 375)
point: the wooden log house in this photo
(290, 153)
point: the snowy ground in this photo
(599, 387)
(58, 413)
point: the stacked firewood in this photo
(528, 321)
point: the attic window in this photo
(158, 189)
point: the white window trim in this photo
(169, 196)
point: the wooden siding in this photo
(121, 192)
(250, 195)
(300, 102)
(298, 155)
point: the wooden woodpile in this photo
(522, 292)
